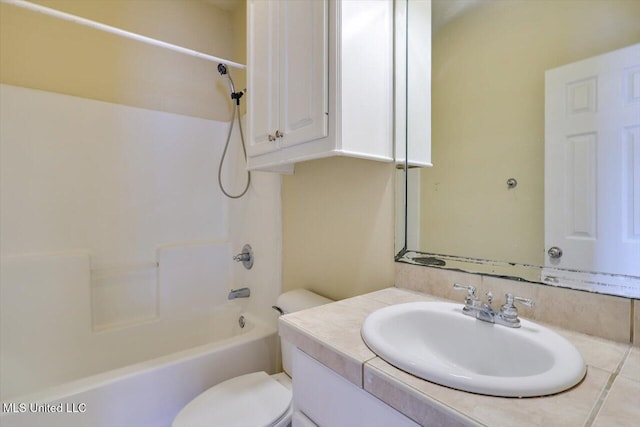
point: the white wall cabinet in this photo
(320, 81)
(324, 398)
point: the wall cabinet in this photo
(320, 81)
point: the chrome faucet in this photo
(506, 316)
(239, 293)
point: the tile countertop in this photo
(609, 395)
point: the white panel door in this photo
(304, 71)
(592, 163)
(262, 76)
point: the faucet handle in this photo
(524, 301)
(509, 313)
(471, 300)
(471, 290)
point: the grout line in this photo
(623, 361)
(605, 391)
(632, 321)
(600, 402)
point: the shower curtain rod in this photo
(117, 31)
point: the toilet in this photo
(256, 399)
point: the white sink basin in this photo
(436, 342)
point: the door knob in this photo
(554, 252)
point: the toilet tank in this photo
(292, 301)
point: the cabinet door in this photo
(262, 75)
(328, 399)
(304, 40)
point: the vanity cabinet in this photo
(320, 81)
(324, 398)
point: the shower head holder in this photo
(237, 96)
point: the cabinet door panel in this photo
(262, 75)
(303, 71)
(328, 399)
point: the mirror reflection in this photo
(484, 197)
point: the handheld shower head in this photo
(222, 69)
(235, 96)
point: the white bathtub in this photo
(152, 392)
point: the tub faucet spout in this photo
(239, 293)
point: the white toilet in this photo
(252, 400)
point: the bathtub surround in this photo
(113, 228)
(59, 325)
(257, 219)
(112, 180)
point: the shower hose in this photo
(235, 114)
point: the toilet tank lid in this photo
(300, 299)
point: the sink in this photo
(436, 342)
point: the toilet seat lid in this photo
(254, 399)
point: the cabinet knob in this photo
(279, 134)
(271, 138)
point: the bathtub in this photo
(151, 392)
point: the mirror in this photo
(481, 207)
